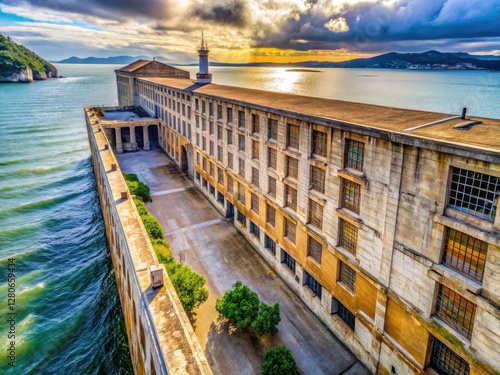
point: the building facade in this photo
(382, 220)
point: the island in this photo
(19, 64)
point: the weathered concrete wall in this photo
(160, 336)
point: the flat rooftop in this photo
(481, 133)
(123, 116)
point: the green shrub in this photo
(279, 361)
(137, 188)
(240, 305)
(267, 319)
(141, 207)
(190, 287)
(153, 227)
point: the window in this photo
(204, 143)
(211, 148)
(343, 313)
(446, 362)
(241, 170)
(219, 132)
(293, 136)
(315, 214)
(241, 142)
(255, 124)
(348, 238)
(229, 184)
(197, 140)
(255, 203)
(198, 176)
(211, 127)
(465, 254)
(318, 179)
(312, 284)
(210, 108)
(290, 197)
(292, 168)
(219, 112)
(229, 115)
(354, 154)
(205, 164)
(240, 216)
(351, 195)
(271, 186)
(319, 143)
(290, 229)
(203, 124)
(220, 176)
(347, 277)
(198, 158)
(269, 244)
(255, 150)
(474, 193)
(212, 189)
(241, 193)
(314, 249)
(203, 182)
(455, 310)
(230, 160)
(288, 260)
(272, 129)
(272, 158)
(271, 215)
(220, 198)
(255, 176)
(241, 119)
(197, 104)
(229, 137)
(212, 173)
(254, 229)
(219, 153)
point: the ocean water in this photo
(68, 318)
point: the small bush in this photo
(267, 319)
(240, 305)
(153, 227)
(130, 177)
(137, 188)
(141, 207)
(279, 361)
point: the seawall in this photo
(160, 336)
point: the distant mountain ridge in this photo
(170, 58)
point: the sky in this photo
(252, 31)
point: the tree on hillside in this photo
(279, 361)
(240, 305)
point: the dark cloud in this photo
(233, 13)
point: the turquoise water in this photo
(68, 313)
(68, 316)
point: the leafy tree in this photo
(267, 319)
(279, 361)
(240, 305)
(190, 287)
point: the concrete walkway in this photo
(200, 237)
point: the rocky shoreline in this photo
(27, 75)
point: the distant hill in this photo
(19, 64)
(170, 58)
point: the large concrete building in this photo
(383, 220)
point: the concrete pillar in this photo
(118, 136)
(133, 141)
(145, 134)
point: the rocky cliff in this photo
(19, 64)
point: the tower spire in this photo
(203, 76)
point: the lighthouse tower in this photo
(203, 76)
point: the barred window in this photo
(211, 127)
(255, 150)
(219, 153)
(456, 311)
(220, 176)
(272, 129)
(293, 136)
(229, 184)
(292, 168)
(241, 193)
(255, 176)
(347, 277)
(219, 112)
(272, 158)
(313, 284)
(241, 119)
(348, 237)
(229, 115)
(318, 179)
(474, 193)
(240, 216)
(319, 143)
(255, 124)
(255, 203)
(315, 214)
(290, 197)
(212, 173)
(351, 196)
(271, 186)
(219, 132)
(465, 254)
(271, 215)
(230, 160)
(241, 142)
(211, 148)
(241, 163)
(290, 230)
(444, 361)
(229, 137)
(343, 312)
(314, 249)
(288, 260)
(269, 244)
(354, 154)
(254, 229)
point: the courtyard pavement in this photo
(200, 237)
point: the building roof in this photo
(424, 125)
(134, 66)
